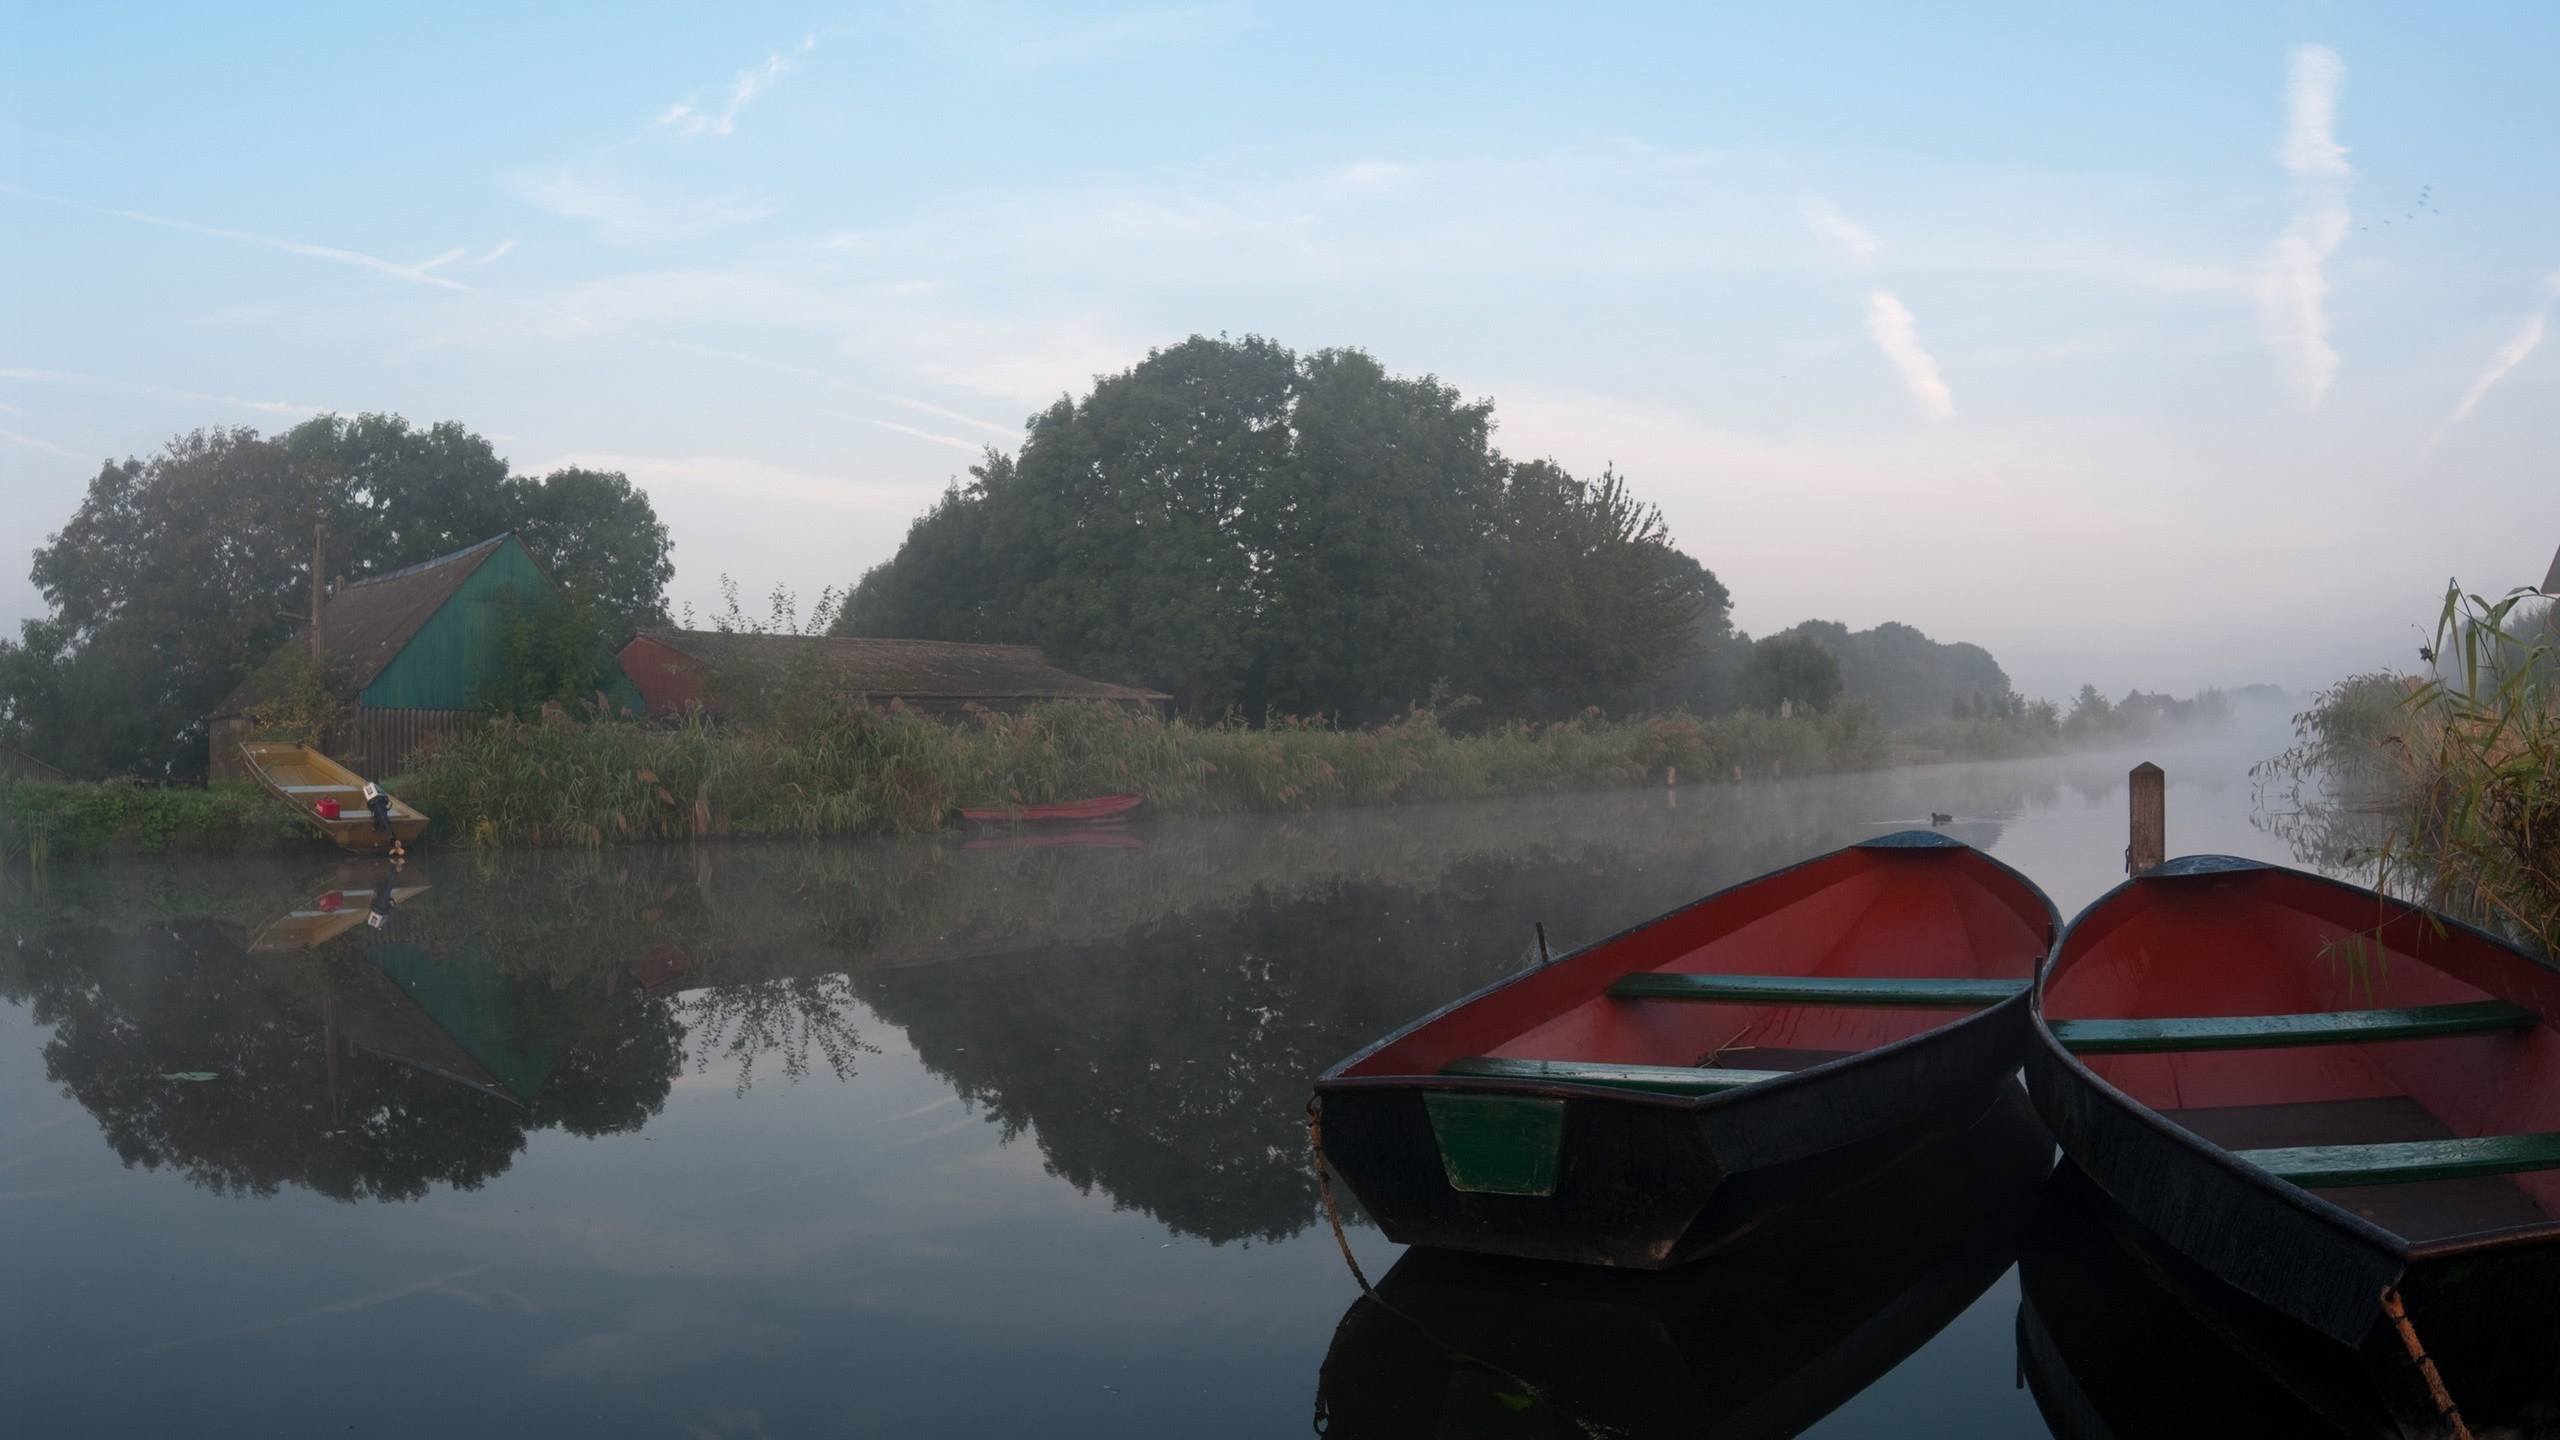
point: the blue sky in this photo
(2119, 344)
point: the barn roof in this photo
(912, 669)
(366, 624)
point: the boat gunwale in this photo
(2311, 1203)
(1335, 1080)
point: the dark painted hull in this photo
(2109, 1308)
(1785, 1327)
(1647, 1181)
(2300, 1254)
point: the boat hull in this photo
(1641, 1180)
(2302, 1255)
(1645, 1182)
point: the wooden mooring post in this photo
(2148, 786)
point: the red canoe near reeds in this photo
(2318, 1094)
(1065, 812)
(1641, 1100)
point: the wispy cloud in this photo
(954, 441)
(1889, 322)
(1855, 242)
(496, 252)
(2293, 283)
(627, 212)
(165, 392)
(48, 447)
(1008, 431)
(686, 117)
(415, 274)
(2526, 339)
(2311, 145)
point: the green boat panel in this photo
(2409, 1162)
(1497, 1144)
(1816, 990)
(1656, 1079)
(2268, 1032)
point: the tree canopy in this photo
(1245, 527)
(180, 572)
(1910, 678)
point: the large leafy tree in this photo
(1248, 528)
(180, 572)
(1910, 678)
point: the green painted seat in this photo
(1660, 1079)
(2408, 1162)
(2267, 1032)
(1815, 990)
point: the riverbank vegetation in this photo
(877, 772)
(2460, 761)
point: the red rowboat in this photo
(1101, 807)
(2318, 1094)
(1639, 1101)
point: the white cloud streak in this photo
(2311, 147)
(1008, 431)
(1855, 242)
(688, 119)
(48, 447)
(954, 441)
(165, 392)
(2526, 339)
(2293, 282)
(414, 274)
(1889, 322)
(630, 213)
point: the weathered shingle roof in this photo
(913, 669)
(364, 625)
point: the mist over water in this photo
(644, 1142)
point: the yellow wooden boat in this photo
(302, 777)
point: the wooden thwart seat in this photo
(2267, 1032)
(1815, 990)
(2408, 1162)
(1661, 1079)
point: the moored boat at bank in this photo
(1062, 812)
(331, 797)
(1642, 1099)
(2327, 1100)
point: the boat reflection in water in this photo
(1764, 1339)
(2122, 1338)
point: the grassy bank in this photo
(894, 773)
(40, 822)
(876, 773)
(2464, 765)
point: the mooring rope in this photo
(1324, 1188)
(2399, 1313)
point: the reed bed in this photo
(895, 772)
(2466, 757)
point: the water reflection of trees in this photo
(1152, 1016)
(318, 1078)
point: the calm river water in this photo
(903, 1138)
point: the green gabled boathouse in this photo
(415, 650)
